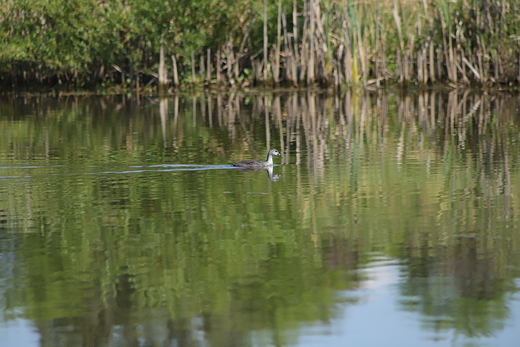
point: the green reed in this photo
(245, 44)
(424, 43)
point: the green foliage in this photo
(88, 42)
(76, 37)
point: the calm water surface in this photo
(391, 220)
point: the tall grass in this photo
(363, 43)
(292, 43)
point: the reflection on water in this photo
(270, 172)
(123, 223)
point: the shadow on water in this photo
(391, 212)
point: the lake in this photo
(391, 219)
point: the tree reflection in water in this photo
(103, 244)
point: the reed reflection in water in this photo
(122, 222)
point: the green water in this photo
(390, 220)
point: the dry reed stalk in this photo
(470, 66)
(192, 67)
(420, 54)
(345, 54)
(234, 99)
(452, 60)
(230, 59)
(304, 43)
(236, 63)
(275, 68)
(399, 67)
(362, 57)
(498, 66)
(296, 59)
(218, 67)
(378, 53)
(409, 58)
(202, 70)
(384, 68)
(175, 72)
(163, 78)
(208, 76)
(481, 52)
(257, 68)
(288, 63)
(276, 60)
(291, 69)
(420, 76)
(432, 60)
(400, 53)
(445, 49)
(347, 64)
(241, 50)
(311, 36)
(295, 29)
(335, 76)
(265, 41)
(219, 110)
(518, 77)
(424, 55)
(462, 72)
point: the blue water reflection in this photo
(368, 316)
(391, 221)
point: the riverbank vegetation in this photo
(244, 43)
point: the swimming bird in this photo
(259, 163)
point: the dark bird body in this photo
(259, 163)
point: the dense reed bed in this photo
(288, 43)
(334, 43)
